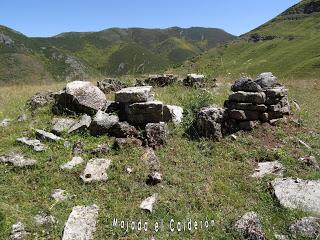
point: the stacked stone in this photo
(253, 101)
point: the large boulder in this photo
(134, 94)
(156, 134)
(102, 122)
(110, 85)
(210, 122)
(246, 85)
(80, 97)
(145, 112)
(266, 80)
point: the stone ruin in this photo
(251, 102)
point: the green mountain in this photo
(115, 51)
(288, 46)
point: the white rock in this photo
(148, 203)
(5, 122)
(34, 143)
(17, 159)
(71, 164)
(172, 113)
(60, 195)
(134, 94)
(96, 170)
(46, 136)
(297, 193)
(81, 223)
(265, 168)
(44, 219)
(18, 232)
(129, 170)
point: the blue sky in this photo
(48, 18)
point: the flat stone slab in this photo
(148, 203)
(34, 143)
(60, 195)
(96, 170)
(297, 193)
(248, 97)
(46, 136)
(61, 125)
(265, 168)
(83, 123)
(71, 164)
(134, 94)
(81, 223)
(146, 112)
(17, 160)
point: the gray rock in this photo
(6, 40)
(265, 168)
(243, 115)
(46, 136)
(121, 143)
(61, 125)
(40, 99)
(246, 85)
(248, 97)
(34, 143)
(17, 160)
(306, 227)
(44, 219)
(249, 226)
(18, 232)
(209, 122)
(96, 170)
(151, 159)
(110, 85)
(276, 92)
(5, 122)
(134, 94)
(298, 194)
(161, 80)
(266, 80)
(194, 80)
(146, 112)
(172, 113)
(81, 223)
(75, 161)
(245, 106)
(102, 122)
(77, 148)
(149, 202)
(82, 124)
(156, 134)
(60, 195)
(154, 178)
(123, 130)
(80, 97)
(310, 161)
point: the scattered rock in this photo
(243, 115)
(266, 80)
(61, 125)
(123, 130)
(71, 164)
(121, 143)
(172, 113)
(297, 193)
(102, 122)
(96, 170)
(40, 99)
(17, 159)
(310, 161)
(81, 223)
(161, 80)
(60, 195)
(44, 219)
(156, 134)
(77, 148)
(34, 143)
(110, 85)
(46, 136)
(22, 117)
(233, 137)
(5, 122)
(80, 97)
(306, 227)
(249, 226)
(100, 149)
(145, 112)
(83, 123)
(246, 85)
(129, 170)
(148, 203)
(18, 232)
(134, 94)
(304, 144)
(194, 80)
(265, 168)
(154, 178)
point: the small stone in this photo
(310, 161)
(83, 123)
(172, 113)
(34, 143)
(276, 92)
(304, 144)
(96, 170)
(281, 237)
(5, 122)
(233, 137)
(71, 164)
(102, 122)
(129, 170)
(148, 203)
(60, 195)
(134, 94)
(22, 118)
(156, 134)
(17, 160)
(44, 219)
(308, 227)
(77, 148)
(81, 223)
(18, 232)
(46, 136)
(61, 125)
(249, 226)
(67, 144)
(100, 149)
(154, 178)
(296, 105)
(265, 168)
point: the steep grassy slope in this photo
(93, 54)
(288, 45)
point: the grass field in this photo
(202, 179)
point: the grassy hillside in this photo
(115, 51)
(288, 46)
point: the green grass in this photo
(202, 179)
